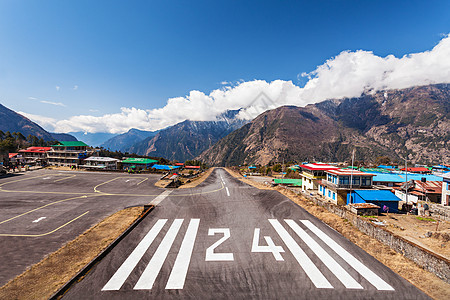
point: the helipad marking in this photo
(47, 233)
(52, 203)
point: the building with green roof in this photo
(138, 163)
(69, 154)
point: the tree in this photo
(277, 168)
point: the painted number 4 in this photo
(271, 248)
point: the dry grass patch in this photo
(43, 279)
(429, 283)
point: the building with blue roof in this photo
(381, 198)
(165, 167)
(389, 179)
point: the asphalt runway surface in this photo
(228, 240)
(42, 210)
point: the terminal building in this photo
(68, 153)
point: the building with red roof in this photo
(419, 170)
(35, 155)
(421, 191)
(312, 173)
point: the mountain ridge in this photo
(393, 123)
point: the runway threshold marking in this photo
(153, 268)
(118, 279)
(179, 271)
(328, 261)
(43, 206)
(180, 268)
(373, 278)
(47, 233)
(304, 261)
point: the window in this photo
(334, 196)
(366, 181)
(329, 193)
(344, 180)
(357, 180)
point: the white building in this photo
(100, 163)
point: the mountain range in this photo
(412, 123)
(14, 122)
(188, 139)
(123, 142)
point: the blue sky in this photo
(60, 59)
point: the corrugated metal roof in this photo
(377, 195)
(386, 177)
(102, 159)
(134, 160)
(70, 144)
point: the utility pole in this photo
(406, 184)
(351, 177)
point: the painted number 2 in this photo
(210, 255)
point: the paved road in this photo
(229, 240)
(42, 210)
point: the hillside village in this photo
(385, 188)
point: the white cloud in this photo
(53, 103)
(57, 88)
(347, 75)
(46, 122)
(32, 98)
(75, 87)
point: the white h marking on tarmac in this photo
(305, 262)
(331, 264)
(160, 197)
(150, 273)
(130, 263)
(373, 278)
(180, 268)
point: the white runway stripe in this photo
(160, 198)
(153, 268)
(130, 263)
(328, 261)
(373, 278)
(180, 268)
(305, 262)
(228, 192)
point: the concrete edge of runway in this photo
(61, 291)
